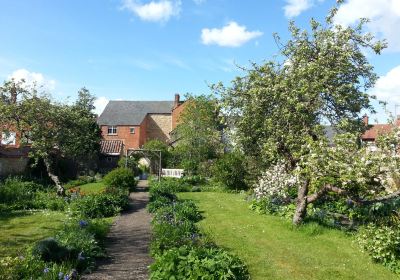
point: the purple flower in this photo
(83, 223)
(46, 270)
(66, 277)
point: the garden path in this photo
(128, 242)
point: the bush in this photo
(17, 194)
(122, 178)
(230, 170)
(130, 163)
(106, 204)
(198, 263)
(382, 243)
(49, 200)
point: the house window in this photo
(112, 130)
(132, 130)
(8, 138)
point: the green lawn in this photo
(21, 228)
(273, 249)
(92, 187)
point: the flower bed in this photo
(180, 250)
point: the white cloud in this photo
(155, 11)
(387, 87)
(231, 35)
(384, 16)
(100, 103)
(293, 8)
(33, 78)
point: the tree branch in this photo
(329, 188)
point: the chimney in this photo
(177, 99)
(365, 120)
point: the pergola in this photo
(149, 154)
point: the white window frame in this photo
(113, 129)
(9, 138)
(132, 130)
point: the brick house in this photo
(374, 130)
(13, 155)
(130, 124)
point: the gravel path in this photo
(128, 242)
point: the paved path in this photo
(128, 242)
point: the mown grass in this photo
(21, 228)
(274, 249)
(92, 187)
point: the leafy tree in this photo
(55, 130)
(159, 145)
(199, 131)
(230, 170)
(321, 76)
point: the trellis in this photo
(149, 154)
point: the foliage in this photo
(16, 194)
(265, 242)
(230, 170)
(198, 263)
(54, 130)
(122, 178)
(382, 243)
(198, 132)
(321, 75)
(156, 144)
(178, 246)
(130, 163)
(106, 204)
(82, 180)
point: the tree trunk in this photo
(301, 204)
(54, 177)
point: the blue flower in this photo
(60, 275)
(46, 270)
(66, 277)
(83, 223)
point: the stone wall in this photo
(158, 126)
(13, 166)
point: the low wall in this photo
(12, 166)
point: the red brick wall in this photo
(176, 114)
(131, 141)
(143, 132)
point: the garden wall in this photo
(13, 166)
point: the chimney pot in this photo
(177, 100)
(365, 119)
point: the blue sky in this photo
(152, 49)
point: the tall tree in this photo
(199, 131)
(321, 77)
(55, 130)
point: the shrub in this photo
(17, 194)
(173, 233)
(130, 163)
(106, 204)
(382, 243)
(50, 250)
(49, 200)
(188, 262)
(230, 170)
(122, 178)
